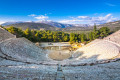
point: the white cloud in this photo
(83, 17)
(41, 17)
(32, 15)
(74, 21)
(89, 20)
(1, 22)
(105, 19)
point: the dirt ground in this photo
(59, 55)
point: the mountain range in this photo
(114, 26)
(31, 25)
(50, 25)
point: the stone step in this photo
(60, 79)
(60, 75)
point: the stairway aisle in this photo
(60, 75)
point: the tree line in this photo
(58, 36)
(100, 33)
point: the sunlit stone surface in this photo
(21, 59)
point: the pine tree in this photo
(91, 36)
(27, 33)
(72, 37)
(95, 28)
(94, 32)
(104, 31)
(82, 37)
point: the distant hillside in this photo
(48, 25)
(74, 28)
(114, 26)
(52, 23)
(32, 25)
(9, 23)
(56, 24)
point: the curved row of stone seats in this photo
(28, 72)
(115, 37)
(94, 41)
(22, 49)
(108, 71)
(101, 50)
(5, 35)
(43, 72)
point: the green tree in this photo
(95, 28)
(37, 37)
(97, 34)
(16, 31)
(79, 37)
(104, 31)
(55, 37)
(28, 33)
(91, 36)
(72, 37)
(82, 37)
(94, 32)
(2, 26)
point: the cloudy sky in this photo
(63, 11)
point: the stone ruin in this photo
(21, 59)
(5, 35)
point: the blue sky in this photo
(64, 11)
